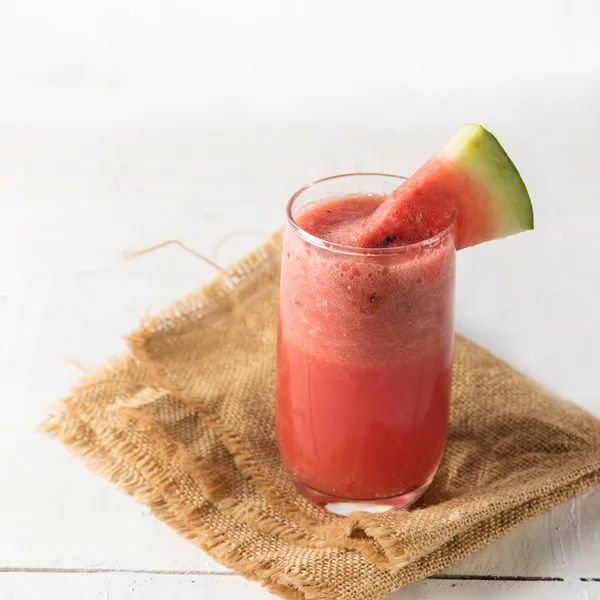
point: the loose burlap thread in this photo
(185, 424)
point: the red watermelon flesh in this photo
(471, 180)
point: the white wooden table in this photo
(72, 203)
(126, 124)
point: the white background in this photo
(126, 123)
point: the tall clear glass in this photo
(364, 359)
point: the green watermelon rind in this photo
(480, 153)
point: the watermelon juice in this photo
(365, 344)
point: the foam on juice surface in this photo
(340, 220)
(364, 308)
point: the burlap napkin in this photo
(185, 424)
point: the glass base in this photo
(344, 506)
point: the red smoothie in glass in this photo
(364, 356)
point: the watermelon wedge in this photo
(472, 177)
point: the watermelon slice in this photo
(472, 177)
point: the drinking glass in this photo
(364, 358)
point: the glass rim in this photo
(358, 250)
